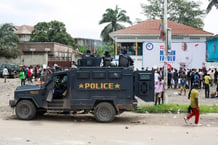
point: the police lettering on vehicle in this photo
(99, 86)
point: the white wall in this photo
(27, 59)
(35, 59)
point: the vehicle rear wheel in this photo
(25, 110)
(104, 112)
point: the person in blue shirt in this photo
(169, 78)
(196, 77)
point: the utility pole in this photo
(165, 53)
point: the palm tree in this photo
(113, 18)
(8, 41)
(211, 4)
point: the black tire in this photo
(104, 112)
(25, 110)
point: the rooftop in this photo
(24, 29)
(152, 27)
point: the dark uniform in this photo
(107, 59)
(125, 60)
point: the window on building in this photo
(131, 48)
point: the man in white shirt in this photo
(5, 74)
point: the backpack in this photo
(196, 78)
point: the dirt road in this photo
(127, 129)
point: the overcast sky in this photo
(81, 17)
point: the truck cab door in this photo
(144, 85)
(48, 89)
(57, 89)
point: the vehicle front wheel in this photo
(25, 110)
(104, 112)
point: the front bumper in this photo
(12, 103)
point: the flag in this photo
(115, 53)
(161, 29)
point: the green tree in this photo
(180, 11)
(99, 51)
(211, 4)
(113, 19)
(106, 47)
(53, 31)
(82, 49)
(109, 48)
(8, 41)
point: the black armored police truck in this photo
(103, 91)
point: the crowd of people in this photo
(35, 73)
(192, 79)
(183, 79)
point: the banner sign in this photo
(212, 50)
(188, 55)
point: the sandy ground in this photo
(127, 128)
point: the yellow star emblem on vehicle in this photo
(117, 86)
(81, 86)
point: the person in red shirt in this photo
(29, 73)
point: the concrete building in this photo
(90, 44)
(48, 53)
(24, 32)
(144, 36)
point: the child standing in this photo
(183, 86)
(159, 88)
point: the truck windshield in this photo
(48, 78)
(45, 76)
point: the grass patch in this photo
(174, 108)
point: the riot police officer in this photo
(107, 59)
(124, 59)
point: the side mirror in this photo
(50, 96)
